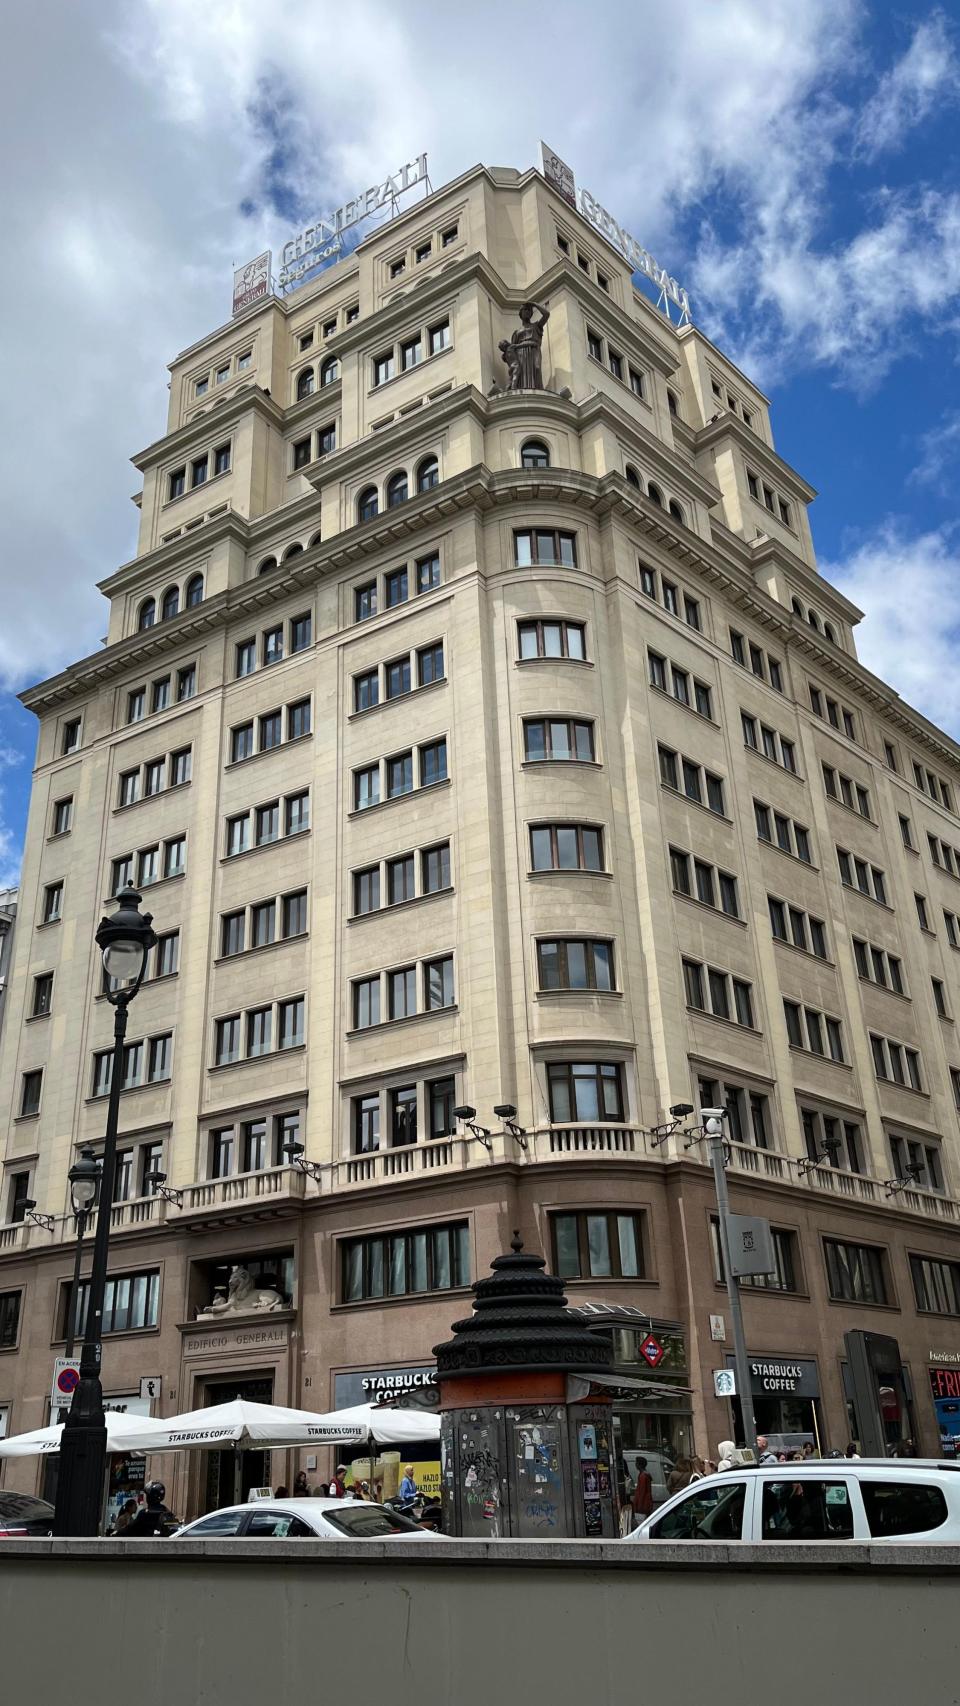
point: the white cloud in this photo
(909, 586)
(927, 74)
(167, 143)
(939, 453)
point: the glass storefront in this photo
(945, 1393)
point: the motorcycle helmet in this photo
(156, 1493)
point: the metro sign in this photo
(652, 1351)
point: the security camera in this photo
(465, 1113)
(713, 1113)
(505, 1110)
(680, 1110)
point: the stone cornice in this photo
(728, 425)
(189, 437)
(731, 570)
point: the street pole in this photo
(75, 1294)
(713, 1131)
(124, 941)
(83, 1443)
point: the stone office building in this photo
(487, 746)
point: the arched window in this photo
(829, 633)
(655, 495)
(147, 616)
(267, 564)
(396, 490)
(193, 593)
(813, 620)
(534, 454)
(330, 371)
(305, 384)
(315, 540)
(677, 512)
(633, 478)
(368, 504)
(428, 474)
(796, 607)
(292, 551)
(171, 603)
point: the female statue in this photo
(526, 341)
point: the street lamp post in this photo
(713, 1120)
(84, 1177)
(124, 941)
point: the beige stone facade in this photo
(421, 695)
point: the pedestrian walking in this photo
(764, 1454)
(642, 1500)
(338, 1486)
(408, 1486)
(729, 1457)
(680, 1475)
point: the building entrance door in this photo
(231, 1474)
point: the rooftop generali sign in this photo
(316, 243)
(560, 175)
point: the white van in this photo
(883, 1499)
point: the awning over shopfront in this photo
(630, 1384)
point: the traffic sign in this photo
(724, 1383)
(652, 1351)
(66, 1379)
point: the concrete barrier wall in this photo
(107, 1623)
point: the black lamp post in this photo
(124, 940)
(84, 1178)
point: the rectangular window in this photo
(384, 367)
(558, 738)
(365, 601)
(302, 452)
(366, 690)
(636, 382)
(936, 1285)
(301, 633)
(148, 866)
(238, 834)
(53, 902)
(594, 346)
(433, 763)
(366, 890)
(267, 823)
(296, 814)
(175, 856)
(572, 963)
(366, 1002)
(42, 995)
(402, 992)
(399, 775)
(241, 743)
(131, 1303)
(366, 787)
(290, 1016)
(186, 682)
(136, 705)
(221, 459)
(441, 1097)
(30, 1086)
(294, 913)
(259, 1031)
(855, 1272)
(397, 678)
(273, 645)
(263, 924)
(397, 588)
(177, 482)
(430, 664)
(585, 1092)
(366, 1124)
(298, 719)
(198, 471)
(227, 1040)
(232, 933)
(439, 336)
(180, 766)
(601, 1244)
(71, 735)
(63, 815)
(435, 868)
(435, 1258)
(438, 983)
(544, 546)
(159, 1057)
(428, 573)
(400, 879)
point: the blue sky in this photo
(794, 162)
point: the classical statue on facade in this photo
(523, 362)
(243, 1298)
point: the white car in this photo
(312, 1519)
(883, 1499)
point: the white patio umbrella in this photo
(125, 1433)
(372, 1424)
(241, 1423)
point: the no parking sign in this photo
(66, 1379)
